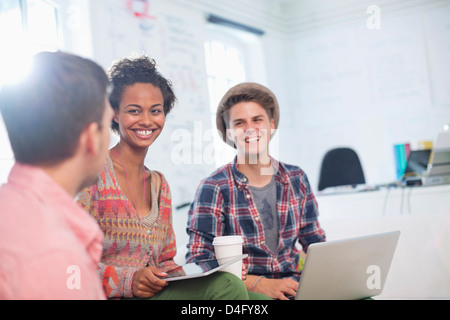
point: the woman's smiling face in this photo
(141, 114)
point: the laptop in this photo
(416, 167)
(438, 171)
(417, 162)
(199, 269)
(347, 269)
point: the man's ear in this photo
(89, 139)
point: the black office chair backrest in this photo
(340, 167)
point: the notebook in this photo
(199, 269)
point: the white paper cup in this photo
(226, 248)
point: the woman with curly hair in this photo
(132, 204)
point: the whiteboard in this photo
(174, 36)
(437, 28)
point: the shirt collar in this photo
(34, 180)
(242, 180)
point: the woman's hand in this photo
(146, 282)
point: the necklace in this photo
(129, 186)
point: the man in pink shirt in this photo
(58, 121)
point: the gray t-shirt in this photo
(266, 202)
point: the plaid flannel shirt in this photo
(224, 206)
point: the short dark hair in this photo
(260, 97)
(46, 112)
(129, 71)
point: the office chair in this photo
(340, 167)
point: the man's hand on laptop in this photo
(275, 288)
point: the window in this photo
(26, 27)
(225, 68)
(227, 54)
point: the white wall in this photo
(326, 68)
(341, 84)
(368, 89)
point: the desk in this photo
(385, 202)
(421, 265)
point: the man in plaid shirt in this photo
(269, 203)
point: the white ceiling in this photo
(294, 16)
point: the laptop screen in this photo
(440, 164)
(418, 161)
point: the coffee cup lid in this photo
(225, 240)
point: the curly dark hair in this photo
(128, 71)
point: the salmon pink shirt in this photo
(49, 246)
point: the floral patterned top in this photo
(128, 244)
